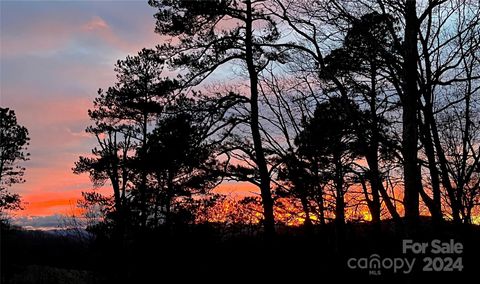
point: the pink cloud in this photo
(96, 23)
(100, 28)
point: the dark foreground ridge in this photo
(203, 252)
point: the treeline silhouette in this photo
(339, 112)
(13, 150)
(380, 117)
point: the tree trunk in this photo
(433, 204)
(266, 194)
(321, 207)
(374, 173)
(373, 204)
(168, 200)
(463, 176)
(307, 224)
(143, 173)
(436, 203)
(319, 193)
(377, 185)
(339, 207)
(339, 198)
(443, 163)
(410, 103)
(376, 212)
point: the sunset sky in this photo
(54, 56)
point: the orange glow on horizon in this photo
(52, 203)
(230, 210)
(44, 204)
(237, 188)
(65, 202)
